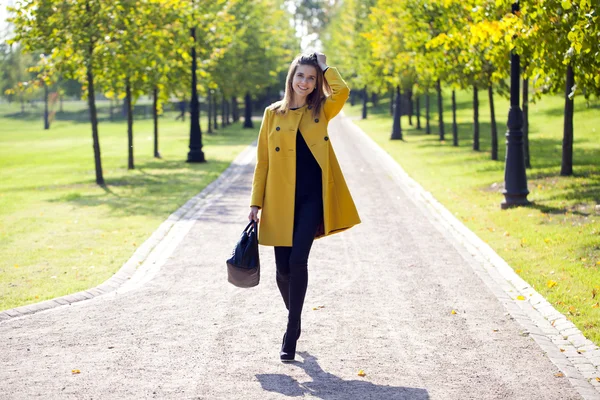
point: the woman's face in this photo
(305, 80)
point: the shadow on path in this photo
(330, 387)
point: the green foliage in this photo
(261, 47)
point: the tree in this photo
(76, 33)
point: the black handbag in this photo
(243, 268)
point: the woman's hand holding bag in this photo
(243, 268)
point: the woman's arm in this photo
(262, 163)
(340, 93)
(334, 103)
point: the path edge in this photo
(147, 251)
(577, 357)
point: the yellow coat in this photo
(274, 183)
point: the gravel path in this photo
(380, 299)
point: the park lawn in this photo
(555, 243)
(61, 233)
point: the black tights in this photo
(292, 262)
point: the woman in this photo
(298, 184)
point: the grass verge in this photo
(61, 233)
(555, 243)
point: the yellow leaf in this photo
(596, 305)
(453, 312)
(518, 271)
(75, 371)
(559, 374)
(551, 284)
(598, 379)
(361, 373)
(520, 297)
(547, 240)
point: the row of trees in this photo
(125, 49)
(416, 47)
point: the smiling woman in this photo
(298, 183)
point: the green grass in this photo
(60, 232)
(557, 238)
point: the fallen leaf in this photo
(520, 297)
(597, 305)
(75, 371)
(518, 271)
(551, 284)
(581, 351)
(496, 330)
(453, 312)
(562, 350)
(315, 308)
(559, 374)
(361, 373)
(598, 379)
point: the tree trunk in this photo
(454, 124)
(374, 99)
(526, 122)
(494, 129)
(209, 109)
(392, 101)
(475, 119)
(427, 116)
(215, 113)
(223, 122)
(227, 119)
(566, 167)
(155, 115)
(364, 99)
(46, 113)
(440, 109)
(94, 120)
(129, 125)
(248, 111)
(418, 104)
(410, 107)
(352, 98)
(234, 109)
(397, 125)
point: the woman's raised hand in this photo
(321, 60)
(253, 216)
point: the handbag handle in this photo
(251, 224)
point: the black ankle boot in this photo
(288, 349)
(288, 346)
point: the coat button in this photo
(276, 148)
(326, 138)
(278, 128)
(317, 120)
